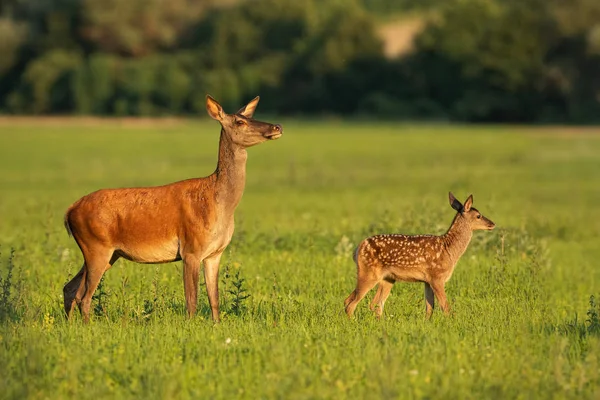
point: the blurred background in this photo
(523, 61)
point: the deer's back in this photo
(405, 257)
(149, 215)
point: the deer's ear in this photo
(454, 203)
(468, 203)
(248, 110)
(214, 108)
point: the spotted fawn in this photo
(385, 259)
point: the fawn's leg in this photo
(385, 287)
(349, 298)
(376, 298)
(352, 295)
(429, 301)
(211, 277)
(440, 293)
(363, 286)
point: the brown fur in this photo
(190, 220)
(385, 259)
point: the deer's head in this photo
(240, 127)
(471, 215)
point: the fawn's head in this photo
(241, 128)
(472, 215)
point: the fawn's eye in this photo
(240, 121)
(479, 216)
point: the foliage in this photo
(137, 27)
(11, 292)
(12, 34)
(386, 8)
(99, 299)
(593, 317)
(475, 60)
(239, 295)
(46, 79)
(501, 61)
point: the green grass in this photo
(519, 328)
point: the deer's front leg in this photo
(429, 301)
(211, 277)
(191, 270)
(440, 293)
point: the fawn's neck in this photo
(457, 238)
(230, 174)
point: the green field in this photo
(522, 323)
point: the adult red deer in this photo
(190, 220)
(385, 259)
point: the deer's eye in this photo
(240, 122)
(479, 216)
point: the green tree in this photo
(94, 84)
(138, 27)
(46, 85)
(13, 36)
(501, 40)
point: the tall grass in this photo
(524, 322)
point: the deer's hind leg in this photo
(97, 261)
(349, 298)
(73, 290)
(376, 297)
(363, 285)
(381, 289)
(385, 287)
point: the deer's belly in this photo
(151, 253)
(407, 274)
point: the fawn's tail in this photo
(356, 251)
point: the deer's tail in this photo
(66, 219)
(356, 251)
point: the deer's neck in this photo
(230, 174)
(457, 239)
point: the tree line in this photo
(473, 60)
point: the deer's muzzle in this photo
(275, 132)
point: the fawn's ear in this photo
(455, 203)
(248, 110)
(468, 203)
(214, 109)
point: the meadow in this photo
(524, 322)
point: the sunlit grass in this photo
(519, 326)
